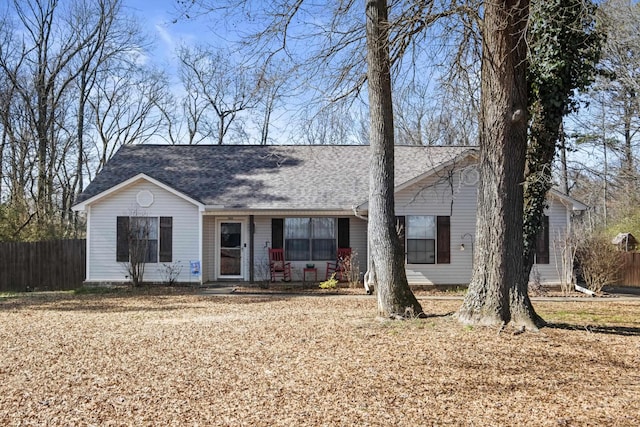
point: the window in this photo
(144, 238)
(310, 239)
(426, 239)
(542, 243)
(421, 239)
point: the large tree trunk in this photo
(498, 260)
(386, 266)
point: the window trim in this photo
(163, 241)
(311, 240)
(442, 239)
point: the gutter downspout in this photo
(252, 230)
(367, 276)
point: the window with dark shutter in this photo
(542, 242)
(122, 239)
(310, 239)
(428, 239)
(400, 229)
(147, 239)
(277, 233)
(343, 233)
(443, 240)
(166, 238)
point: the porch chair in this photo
(340, 267)
(278, 266)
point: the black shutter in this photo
(443, 228)
(166, 238)
(401, 229)
(542, 242)
(343, 233)
(122, 239)
(277, 233)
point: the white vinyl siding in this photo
(209, 246)
(102, 243)
(437, 196)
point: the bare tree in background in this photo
(125, 111)
(271, 83)
(423, 120)
(50, 51)
(617, 90)
(224, 88)
(113, 48)
(331, 125)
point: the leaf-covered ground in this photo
(183, 359)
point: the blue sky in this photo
(157, 19)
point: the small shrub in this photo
(170, 272)
(599, 262)
(330, 283)
(263, 273)
(351, 272)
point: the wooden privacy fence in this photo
(45, 266)
(630, 271)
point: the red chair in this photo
(278, 266)
(342, 265)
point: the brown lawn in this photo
(172, 358)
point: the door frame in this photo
(244, 252)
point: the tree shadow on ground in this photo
(597, 329)
(98, 300)
(437, 315)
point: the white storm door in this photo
(230, 242)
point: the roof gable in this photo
(568, 201)
(140, 177)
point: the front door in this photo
(230, 255)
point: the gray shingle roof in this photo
(265, 177)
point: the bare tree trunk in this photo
(498, 260)
(395, 298)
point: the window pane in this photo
(230, 234)
(145, 232)
(152, 251)
(421, 227)
(324, 250)
(297, 228)
(144, 227)
(421, 251)
(323, 228)
(297, 250)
